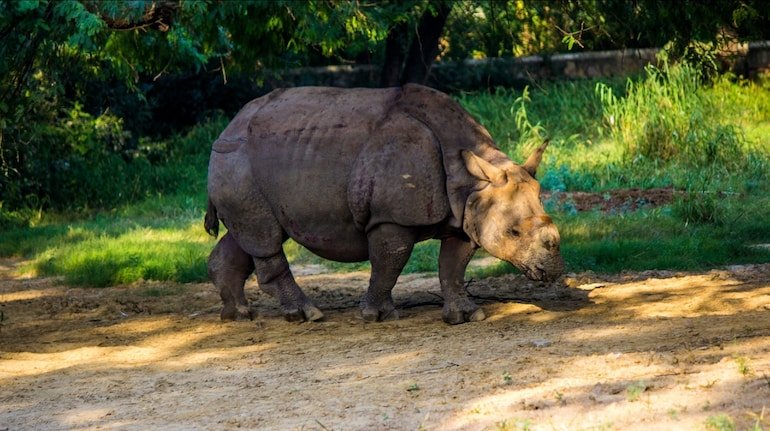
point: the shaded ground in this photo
(652, 350)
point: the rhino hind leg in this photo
(454, 256)
(275, 278)
(389, 249)
(229, 267)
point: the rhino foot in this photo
(236, 312)
(374, 315)
(454, 316)
(378, 308)
(308, 313)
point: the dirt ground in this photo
(651, 350)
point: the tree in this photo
(400, 67)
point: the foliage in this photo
(86, 81)
(635, 390)
(98, 170)
(480, 29)
(667, 116)
(161, 239)
(666, 128)
(701, 202)
(140, 253)
(743, 366)
(492, 28)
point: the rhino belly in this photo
(308, 196)
(311, 207)
(330, 240)
(324, 227)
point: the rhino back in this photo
(306, 139)
(236, 132)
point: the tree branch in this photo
(158, 16)
(29, 58)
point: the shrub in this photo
(85, 162)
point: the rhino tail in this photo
(211, 221)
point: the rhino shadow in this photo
(423, 290)
(554, 296)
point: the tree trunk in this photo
(395, 51)
(424, 48)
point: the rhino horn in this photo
(533, 161)
(483, 170)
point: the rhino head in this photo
(504, 215)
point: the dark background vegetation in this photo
(108, 110)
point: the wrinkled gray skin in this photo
(357, 174)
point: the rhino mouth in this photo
(536, 274)
(540, 273)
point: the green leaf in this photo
(27, 5)
(569, 40)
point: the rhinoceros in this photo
(357, 174)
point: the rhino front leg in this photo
(454, 256)
(275, 278)
(229, 267)
(389, 249)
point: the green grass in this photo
(720, 422)
(658, 130)
(712, 142)
(162, 239)
(150, 253)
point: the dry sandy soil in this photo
(652, 350)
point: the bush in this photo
(85, 162)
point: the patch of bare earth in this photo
(613, 200)
(652, 350)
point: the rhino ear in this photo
(483, 170)
(533, 161)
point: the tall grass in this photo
(669, 116)
(175, 166)
(660, 129)
(670, 127)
